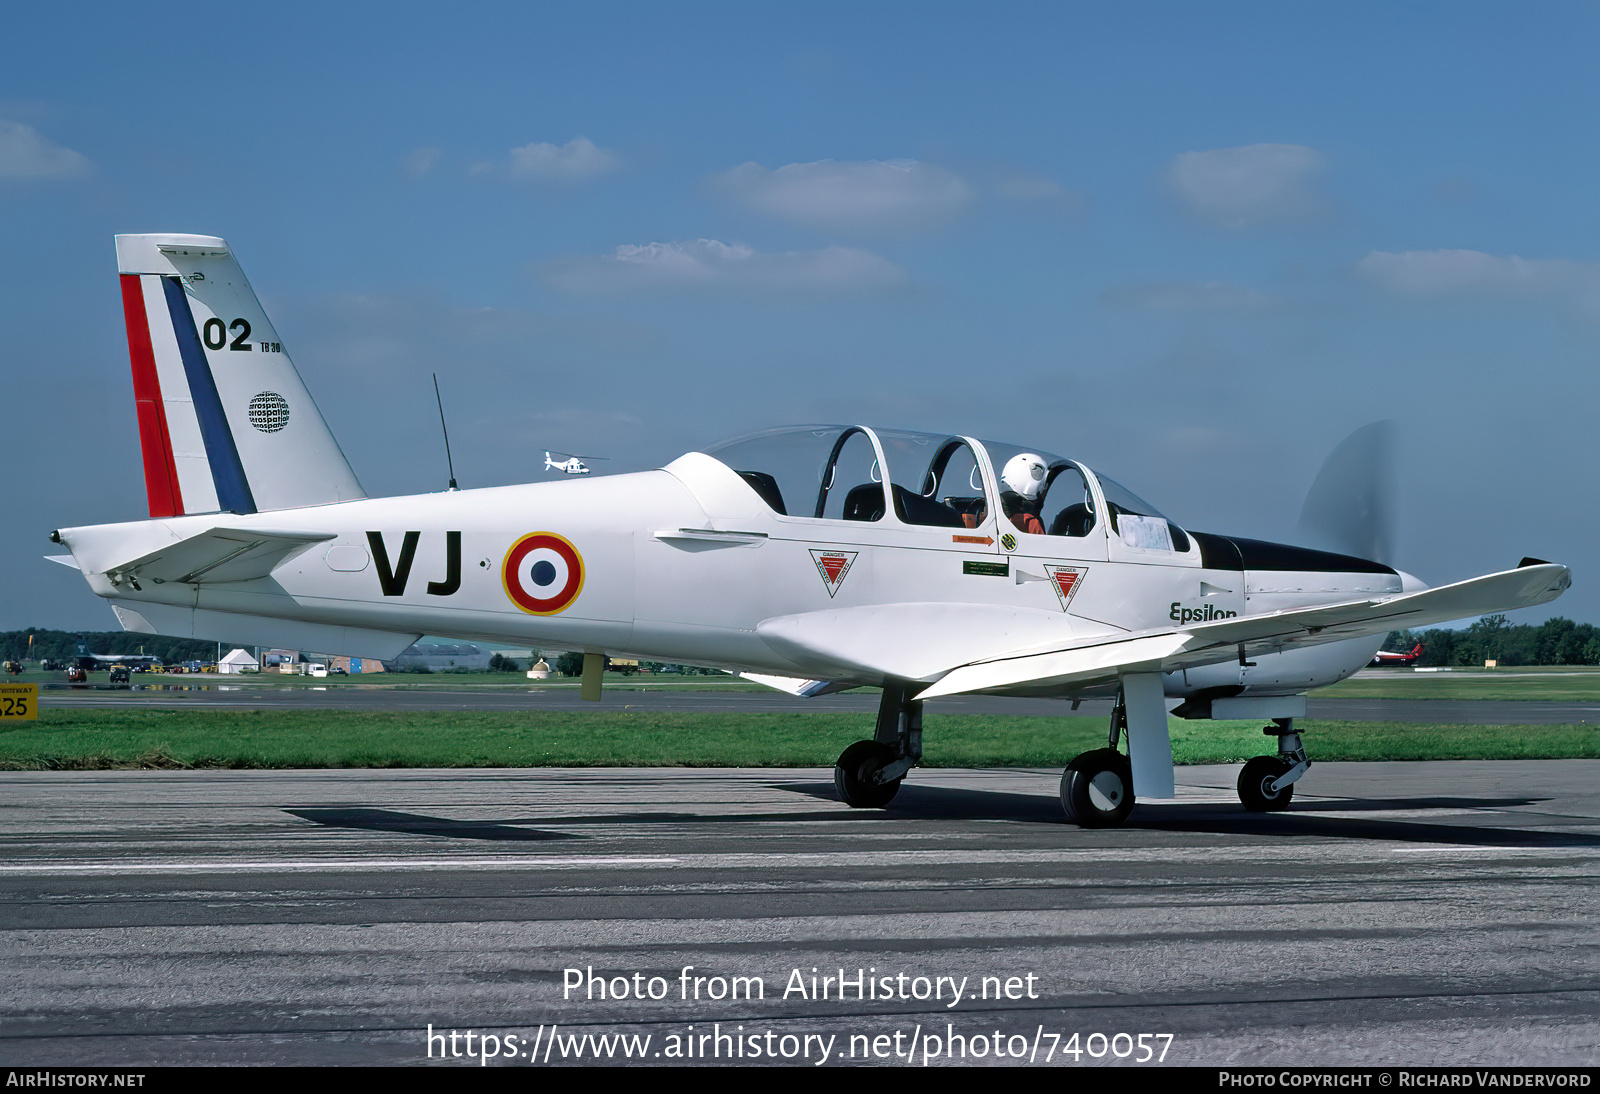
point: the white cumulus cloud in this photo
(1455, 273)
(24, 154)
(576, 161)
(421, 160)
(1243, 187)
(871, 195)
(1190, 297)
(1031, 189)
(711, 266)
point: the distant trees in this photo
(1557, 641)
(501, 663)
(570, 664)
(63, 645)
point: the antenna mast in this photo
(450, 463)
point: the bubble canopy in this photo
(854, 472)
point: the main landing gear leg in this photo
(1097, 786)
(869, 772)
(1267, 782)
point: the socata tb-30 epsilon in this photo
(814, 558)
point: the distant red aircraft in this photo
(1385, 658)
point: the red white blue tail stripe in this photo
(225, 423)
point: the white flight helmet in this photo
(1025, 475)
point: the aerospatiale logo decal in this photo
(1065, 581)
(833, 565)
(542, 573)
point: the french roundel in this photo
(543, 573)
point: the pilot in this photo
(1022, 491)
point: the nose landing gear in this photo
(1267, 782)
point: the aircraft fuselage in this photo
(686, 564)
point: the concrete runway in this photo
(442, 697)
(1422, 913)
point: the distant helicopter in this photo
(572, 465)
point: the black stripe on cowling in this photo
(1237, 553)
(1217, 552)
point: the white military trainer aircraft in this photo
(815, 558)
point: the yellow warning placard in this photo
(19, 701)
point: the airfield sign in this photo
(19, 702)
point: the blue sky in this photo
(1191, 245)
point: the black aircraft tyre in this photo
(1097, 789)
(852, 776)
(1253, 781)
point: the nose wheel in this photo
(1266, 785)
(1256, 783)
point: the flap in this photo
(218, 555)
(805, 689)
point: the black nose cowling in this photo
(1236, 553)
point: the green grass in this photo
(71, 739)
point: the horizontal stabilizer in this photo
(1210, 643)
(218, 555)
(63, 560)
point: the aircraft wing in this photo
(218, 555)
(1208, 643)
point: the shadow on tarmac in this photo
(946, 803)
(385, 820)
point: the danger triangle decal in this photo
(1065, 581)
(833, 566)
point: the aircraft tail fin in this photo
(225, 422)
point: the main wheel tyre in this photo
(1097, 789)
(852, 776)
(1255, 780)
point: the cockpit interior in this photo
(858, 473)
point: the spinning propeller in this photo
(1350, 506)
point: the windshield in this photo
(1139, 523)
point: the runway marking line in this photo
(329, 864)
(753, 861)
